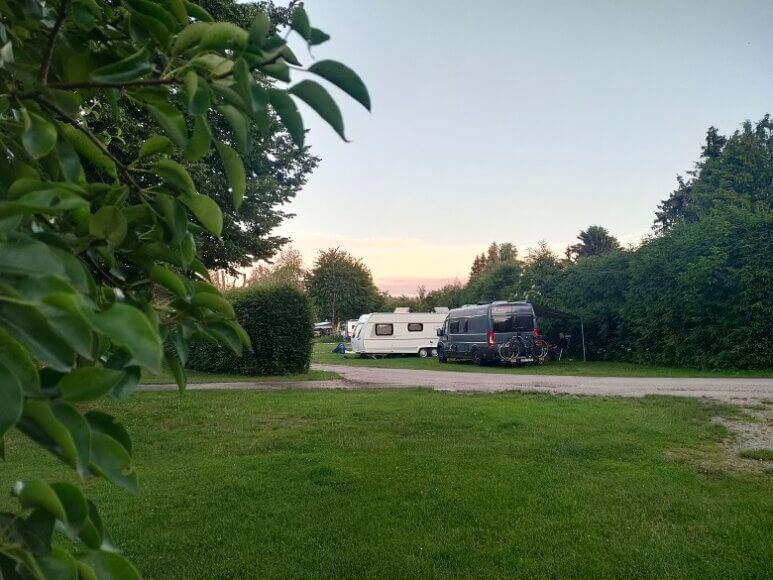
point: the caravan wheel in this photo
(423, 353)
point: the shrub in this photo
(278, 320)
(701, 294)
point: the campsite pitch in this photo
(408, 483)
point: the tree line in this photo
(696, 292)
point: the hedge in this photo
(278, 320)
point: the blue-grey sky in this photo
(519, 121)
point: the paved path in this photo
(731, 390)
(737, 391)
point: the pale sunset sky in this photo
(518, 121)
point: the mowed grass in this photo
(419, 484)
(322, 355)
(197, 377)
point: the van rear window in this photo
(508, 319)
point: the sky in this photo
(517, 121)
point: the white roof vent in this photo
(440, 309)
(402, 310)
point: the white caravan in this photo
(398, 332)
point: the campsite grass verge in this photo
(197, 377)
(322, 355)
(413, 483)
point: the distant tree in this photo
(450, 296)
(595, 241)
(500, 281)
(341, 286)
(286, 270)
(492, 256)
(508, 252)
(734, 172)
(478, 265)
(542, 264)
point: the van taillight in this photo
(536, 331)
(491, 339)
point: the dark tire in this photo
(441, 356)
(477, 358)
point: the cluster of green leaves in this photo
(100, 275)
(278, 320)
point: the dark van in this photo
(489, 333)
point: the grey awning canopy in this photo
(545, 312)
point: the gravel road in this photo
(738, 391)
(729, 390)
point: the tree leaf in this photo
(58, 564)
(89, 383)
(109, 565)
(344, 78)
(198, 96)
(109, 224)
(314, 95)
(177, 370)
(234, 171)
(171, 120)
(37, 493)
(288, 113)
(128, 327)
(200, 141)
(214, 302)
(41, 425)
(259, 29)
(29, 257)
(111, 460)
(88, 150)
(169, 280)
(189, 37)
(197, 12)
(223, 35)
(79, 432)
(128, 69)
(238, 123)
(27, 325)
(155, 144)
(300, 23)
(69, 162)
(11, 396)
(174, 175)
(39, 135)
(72, 499)
(206, 211)
(20, 364)
(318, 37)
(104, 423)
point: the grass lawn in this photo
(322, 354)
(397, 484)
(199, 377)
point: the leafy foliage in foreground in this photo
(99, 254)
(278, 321)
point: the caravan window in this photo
(509, 319)
(415, 327)
(385, 329)
(358, 330)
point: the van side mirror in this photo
(439, 331)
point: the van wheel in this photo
(477, 358)
(423, 353)
(441, 356)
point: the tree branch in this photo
(46, 63)
(70, 121)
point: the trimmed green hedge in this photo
(278, 320)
